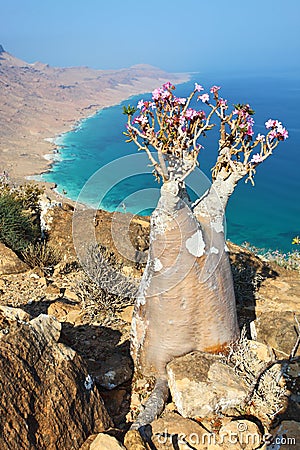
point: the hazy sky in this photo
(187, 35)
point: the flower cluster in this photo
(173, 115)
(277, 130)
(257, 158)
(245, 121)
(172, 127)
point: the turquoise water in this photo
(117, 177)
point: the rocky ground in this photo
(66, 372)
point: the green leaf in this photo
(129, 110)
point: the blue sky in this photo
(187, 35)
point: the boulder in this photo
(238, 434)
(14, 313)
(65, 312)
(285, 436)
(277, 328)
(173, 431)
(10, 263)
(106, 442)
(48, 400)
(276, 302)
(133, 441)
(201, 385)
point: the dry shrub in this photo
(267, 389)
(41, 255)
(103, 288)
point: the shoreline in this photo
(40, 103)
(50, 188)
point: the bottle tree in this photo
(186, 298)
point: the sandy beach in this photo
(39, 102)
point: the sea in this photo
(95, 165)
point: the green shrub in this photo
(17, 230)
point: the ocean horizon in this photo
(97, 167)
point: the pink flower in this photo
(143, 120)
(165, 94)
(272, 135)
(168, 85)
(201, 115)
(282, 132)
(204, 98)
(152, 105)
(278, 131)
(260, 137)
(270, 123)
(182, 120)
(256, 158)
(223, 102)
(157, 93)
(249, 131)
(140, 104)
(198, 87)
(214, 89)
(190, 114)
(180, 100)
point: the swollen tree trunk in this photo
(186, 299)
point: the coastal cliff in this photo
(39, 101)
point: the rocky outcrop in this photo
(173, 431)
(106, 442)
(276, 303)
(286, 435)
(48, 400)
(9, 262)
(201, 386)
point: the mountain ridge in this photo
(38, 102)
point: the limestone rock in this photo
(276, 302)
(71, 295)
(277, 329)
(53, 292)
(65, 312)
(202, 386)
(106, 442)
(46, 401)
(133, 441)
(173, 431)
(9, 262)
(285, 436)
(238, 434)
(87, 443)
(14, 313)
